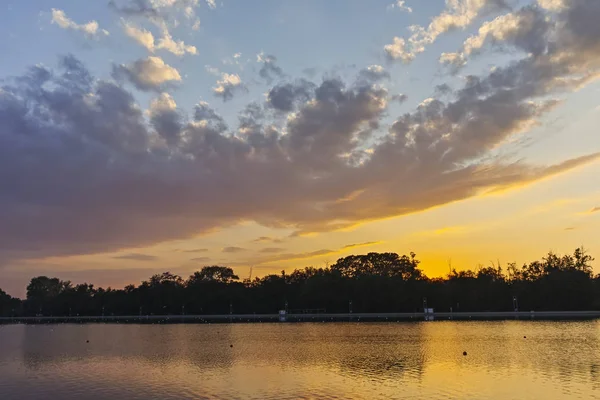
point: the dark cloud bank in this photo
(83, 169)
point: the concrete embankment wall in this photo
(321, 317)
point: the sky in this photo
(143, 136)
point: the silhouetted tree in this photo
(374, 282)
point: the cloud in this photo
(137, 257)
(211, 4)
(200, 259)
(177, 47)
(140, 35)
(442, 90)
(166, 42)
(569, 229)
(164, 14)
(400, 98)
(195, 251)
(272, 250)
(552, 5)
(595, 209)
(150, 73)
(285, 97)
(292, 256)
(526, 28)
(165, 119)
(269, 69)
(400, 5)
(91, 30)
(354, 245)
(80, 149)
(137, 8)
(458, 14)
(160, 12)
(233, 249)
(228, 86)
(372, 74)
(267, 239)
(398, 50)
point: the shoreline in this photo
(320, 317)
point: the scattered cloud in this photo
(211, 4)
(272, 250)
(354, 245)
(398, 50)
(140, 35)
(372, 74)
(595, 209)
(400, 98)
(212, 70)
(228, 86)
(137, 257)
(442, 90)
(177, 47)
(293, 256)
(267, 239)
(150, 73)
(80, 148)
(195, 251)
(400, 5)
(552, 5)
(286, 97)
(145, 38)
(526, 28)
(233, 249)
(200, 259)
(91, 30)
(458, 14)
(269, 70)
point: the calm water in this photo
(557, 360)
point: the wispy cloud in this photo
(137, 257)
(400, 5)
(194, 251)
(200, 259)
(150, 73)
(89, 29)
(233, 249)
(272, 250)
(267, 239)
(351, 246)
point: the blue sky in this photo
(307, 145)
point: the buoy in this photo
(230, 345)
(87, 341)
(464, 353)
(524, 337)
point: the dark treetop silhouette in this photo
(375, 282)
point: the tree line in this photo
(373, 282)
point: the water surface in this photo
(556, 360)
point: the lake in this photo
(413, 360)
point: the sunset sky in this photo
(143, 136)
